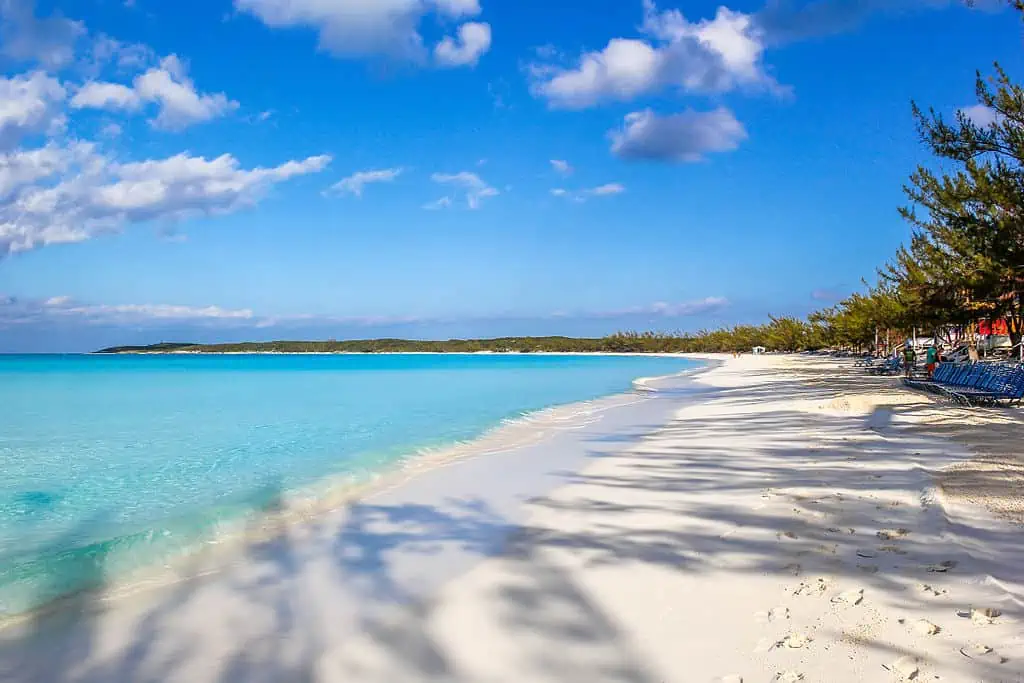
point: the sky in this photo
(228, 170)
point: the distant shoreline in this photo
(625, 343)
(671, 354)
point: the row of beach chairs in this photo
(889, 366)
(975, 383)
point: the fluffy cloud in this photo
(561, 166)
(358, 28)
(355, 183)
(84, 194)
(26, 38)
(709, 56)
(475, 188)
(21, 168)
(980, 115)
(472, 42)
(180, 104)
(168, 86)
(29, 104)
(110, 96)
(123, 56)
(680, 137)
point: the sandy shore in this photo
(788, 519)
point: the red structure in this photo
(993, 327)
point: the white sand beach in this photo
(786, 519)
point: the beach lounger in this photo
(975, 383)
(889, 367)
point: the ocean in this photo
(112, 464)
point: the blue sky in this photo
(265, 169)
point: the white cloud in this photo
(680, 137)
(561, 166)
(671, 310)
(980, 115)
(580, 196)
(180, 104)
(109, 96)
(30, 104)
(26, 38)
(709, 56)
(123, 56)
(63, 309)
(473, 41)
(475, 187)
(21, 168)
(168, 86)
(442, 203)
(360, 28)
(93, 195)
(609, 189)
(355, 183)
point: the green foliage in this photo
(965, 260)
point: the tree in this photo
(967, 251)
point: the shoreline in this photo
(388, 353)
(333, 493)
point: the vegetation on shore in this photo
(965, 259)
(782, 334)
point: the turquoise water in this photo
(115, 463)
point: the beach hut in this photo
(759, 350)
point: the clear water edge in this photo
(113, 565)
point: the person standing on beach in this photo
(909, 359)
(931, 360)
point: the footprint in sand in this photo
(979, 650)
(786, 534)
(774, 614)
(794, 641)
(931, 590)
(905, 668)
(817, 587)
(981, 616)
(789, 677)
(891, 549)
(941, 568)
(892, 534)
(926, 628)
(851, 597)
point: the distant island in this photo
(616, 343)
(781, 334)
